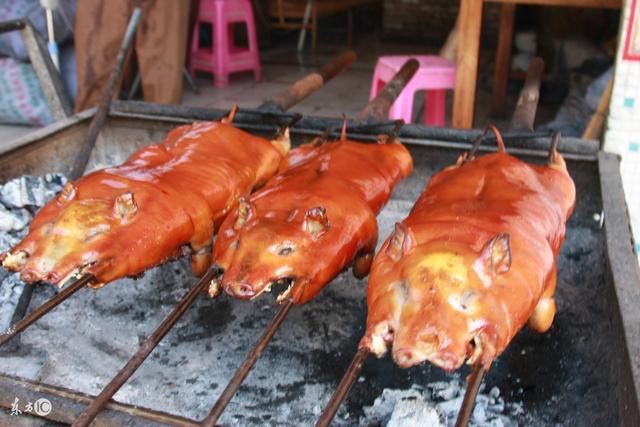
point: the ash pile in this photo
(437, 405)
(20, 199)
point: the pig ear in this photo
(230, 116)
(496, 254)
(282, 142)
(244, 212)
(316, 221)
(400, 242)
(125, 207)
(68, 193)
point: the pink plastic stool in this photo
(435, 75)
(224, 57)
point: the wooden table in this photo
(469, 27)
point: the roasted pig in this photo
(474, 260)
(164, 201)
(311, 221)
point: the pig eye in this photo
(285, 249)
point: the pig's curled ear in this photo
(496, 254)
(68, 193)
(343, 132)
(400, 242)
(316, 221)
(244, 212)
(125, 207)
(230, 115)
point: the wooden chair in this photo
(290, 14)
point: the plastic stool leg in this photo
(434, 107)
(253, 43)
(221, 49)
(195, 45)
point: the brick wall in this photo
(431, 20)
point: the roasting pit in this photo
(569, 376)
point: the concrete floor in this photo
(346, 94)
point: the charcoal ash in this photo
(10, 292)
(14, 220)
(437, 404)
(31, 191)
(20, 199)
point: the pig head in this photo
(300, 248)
(107, 231)
(437, 296)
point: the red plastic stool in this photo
(224, 57)
(435, 75)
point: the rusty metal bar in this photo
(310, 83)
(143, 352)
(375, 110)
(525, 112)
(65, 405)
(12, 25)
(36, 314)
(469, 400)
(343, 388)
(105, 102)
(245, 368)
(378, 108)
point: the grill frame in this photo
(26, 155)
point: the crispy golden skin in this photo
(165, 200)
(311, 221)
(474, 260)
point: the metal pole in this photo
(341, 392)
(525, 112)
(305, 23)
(309, 84)
(469, 400)
(103, 108)
(45, 308)
(143, 352)
(245, 368)
(378, 108)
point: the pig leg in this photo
(542, 317)
(362, 264)
(364, 257)
(201, 243)
(201, 260)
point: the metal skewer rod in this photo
(469, 400)
(36, 314)
(105, 102)
(375, 110)
(245, 368)
(378, 108)
(343, 388)
(143, 352)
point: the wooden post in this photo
(503, 60)
(464, 97)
